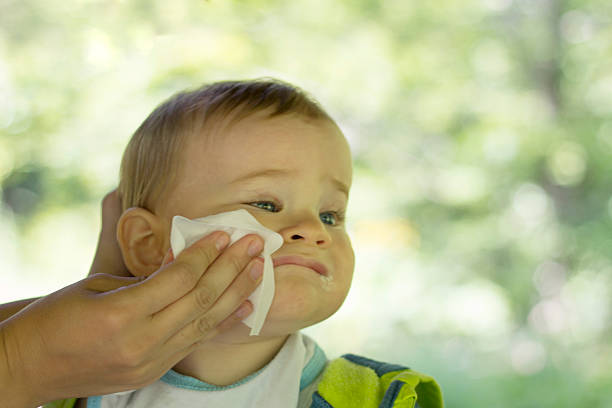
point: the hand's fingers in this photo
(200, 303)
(102, 282)
(211, 286)
(173, 281)
(191, 336)
(108, 258)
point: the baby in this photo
(266, 147)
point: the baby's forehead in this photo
(235, 128)
(260, 142)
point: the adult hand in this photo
(108, 333)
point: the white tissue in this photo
(237, 224)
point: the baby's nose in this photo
(307, 231)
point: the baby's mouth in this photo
(298, 260)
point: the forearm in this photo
(13, 391)
(9, 309)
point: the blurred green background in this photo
(481, 211)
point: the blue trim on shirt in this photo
(94, 402)
(190, 383)
(313, 367)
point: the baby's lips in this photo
(318, 267)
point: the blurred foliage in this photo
(482, 135)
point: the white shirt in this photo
(277, 385)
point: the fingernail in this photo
(222, 241)
(256, 270)
(243, 311)
(255, 247)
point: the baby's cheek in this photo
(345, 259)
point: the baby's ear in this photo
(142, 239)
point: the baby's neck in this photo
(219, 363)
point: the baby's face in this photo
(293, 176)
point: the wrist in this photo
(13, 387)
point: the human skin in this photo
(295, 195)
(89, 338)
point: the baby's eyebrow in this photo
(340, 186)
(276, 173)
(265, 173)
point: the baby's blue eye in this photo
(265, 205)
(330, 218)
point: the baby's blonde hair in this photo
(149, 165)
